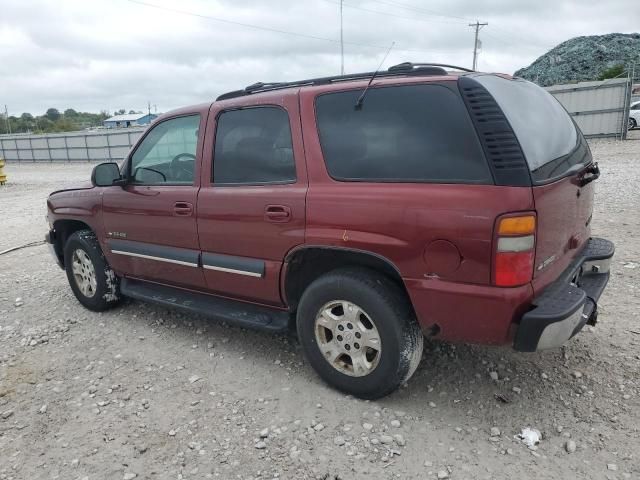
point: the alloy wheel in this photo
(348, 338)
(84, 273)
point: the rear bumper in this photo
(569, 303)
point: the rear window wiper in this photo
(591, 174)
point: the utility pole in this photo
(6, 117)
(341, 41)
(477, 26)
(149, 108)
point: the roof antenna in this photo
(358, 105)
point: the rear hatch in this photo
(561, 169)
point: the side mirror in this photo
(106, 175)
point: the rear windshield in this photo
(544, 129)
(411, 133)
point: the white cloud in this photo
(120, 54)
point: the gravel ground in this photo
(144, 392)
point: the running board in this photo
(235, 313)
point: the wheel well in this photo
(64, 229)
(306, 265)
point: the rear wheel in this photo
(632, 123)
(92, 280)
(359, 332)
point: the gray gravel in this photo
(143, 392)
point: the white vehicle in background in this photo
(634, 115)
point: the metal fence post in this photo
(108, 147)
(627, 106)
(33, 157)
(66, 148)
(48, 149)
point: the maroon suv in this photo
(364, 210)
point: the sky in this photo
(94, 55)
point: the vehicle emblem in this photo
(547, 262)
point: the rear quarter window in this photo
(414, 133)
(549, 138)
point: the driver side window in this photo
(167, 155)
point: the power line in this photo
(386, 14)
(267, 29)
(413, 8)
(517, 38)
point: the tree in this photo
(132, 111)
(52, 114)
(44, 124)
(27, 117)
(122, 111)
(613, 72)
(70, 112)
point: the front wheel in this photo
(92, 281)
(632, 123)
(359, 332)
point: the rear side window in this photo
(545, 130)
(414, 133)
(253, 146)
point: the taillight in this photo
(515, 250)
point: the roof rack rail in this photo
(402, 69)
(410, 66)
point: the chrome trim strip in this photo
(150, 257)
(232, 270)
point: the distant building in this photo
(129, 120)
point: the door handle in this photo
(277, 213)
(183, 209)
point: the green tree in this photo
(70, 112)
(52, 114)
(64, 125)
(44, 124)
(613, 72)
(122, 111)
(27, 117)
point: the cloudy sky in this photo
(94, 55)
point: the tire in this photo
(96, 285)
(632, 123)
(373, 301)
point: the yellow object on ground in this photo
(3, 177)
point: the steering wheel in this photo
(182, 170)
